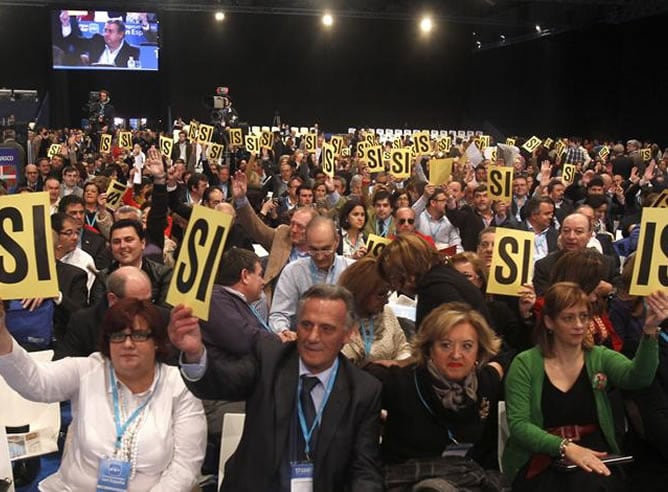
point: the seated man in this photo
(333, 446)
(323, 266)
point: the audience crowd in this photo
(307, 330)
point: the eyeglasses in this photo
(406, 221)
(135, 336)
(323, 252)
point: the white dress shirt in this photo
(171, 439)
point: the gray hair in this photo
(128, 209)
(329, 292)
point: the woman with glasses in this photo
(352, 219)
(380, 338)
(135, 425)
(441, 410)
(556, 396)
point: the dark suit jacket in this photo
(96, 246)
(469, 223)
(346, 456)
(552, 235)
(72, 285)
(96, 48)
(544, 268)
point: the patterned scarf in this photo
(453, 395)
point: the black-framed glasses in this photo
(406, 221)
(135, 336)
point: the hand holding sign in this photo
(198, 260)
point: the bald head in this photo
(575, 232)
(226, 208)
(128, 282)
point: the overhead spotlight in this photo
(219, 16)
(327, 20)
(426, 24)
(478, 44)
(502, 37)
(538, 28)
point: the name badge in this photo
(460, 449)
(301, 477)
(113, 475)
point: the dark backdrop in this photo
(604, 80)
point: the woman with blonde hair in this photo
(444, 405)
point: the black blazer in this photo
(96, 246)
(97, 46)
(72, 284)
(347, 454)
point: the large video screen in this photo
(105, 40)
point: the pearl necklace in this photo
(130, 441)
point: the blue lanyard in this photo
(314, 273)
(367, 335)
(307, 433)
(438, 229)
(120, 429)
(451, 436)
(91, 222)
(664, 335)
(259, 318)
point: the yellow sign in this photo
(193, 131)
(236, 137)
(197, 264)
(267, 140)
(310, 142)
(662, 200)
(54, 150)
(374, 159)
(105, 143)
(568, 174)
(440, 171)
(386, 156)
(115, 193)
(361, 149)
(512, 261)
(375, 245)
(370, 138)
(337, 142)
(483, 141)
(548, 141)
(328, 160)
(532, 144)
(510, 141)
(604, 152)
(421, 143)
(397, 143)
(500, 183)
(400, 163)
(27, 261)
(215, 151)
(205, 134)
(252, 144)
(559, 148)
(125, 140)
(444, 144)
(650, 272)
(166, 145)
(493, 154)
(646, 154)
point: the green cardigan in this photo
(524, 390)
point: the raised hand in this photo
(239, 185)
(184, 333)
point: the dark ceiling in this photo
(496, 23)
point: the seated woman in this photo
(410, 265)
(130, 411)
(352, 219)
(556, 399)
(513, 325)
(445, 403)
(380, 338)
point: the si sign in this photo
(511, 261)
(650, 272)
(375, 245)
(500, 183)
(198, 261)
(27, 261)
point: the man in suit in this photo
(111, 48)
(574, 235)
(563, 207)
(307, 407)
(380, 220)
(538, 213)
(285, 243)
(92, 243)
(82, 335)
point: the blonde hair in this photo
(442, 320)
